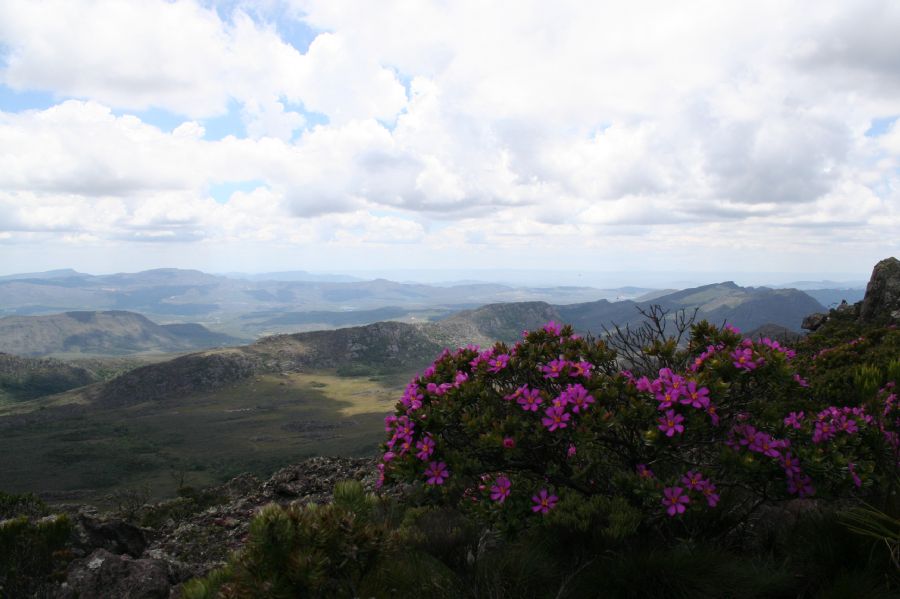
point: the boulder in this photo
(882, 300)
(814, 321)
(104, 574)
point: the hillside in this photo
(108, 333)
(22, 379)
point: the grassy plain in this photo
(257, 426)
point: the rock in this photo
(115, 536)
(882, 300)
(103, 574)
(814, 321)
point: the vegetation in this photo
(722, 466)
(33, 545)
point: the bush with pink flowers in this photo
(725, 425)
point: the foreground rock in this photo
(882, 298)
(189, 537)
(881, 304)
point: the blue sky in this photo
(395, 136)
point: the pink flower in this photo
(570, 453)
(790, 464)
(709, 491)
(800, 381)
(555, 368)
(461, 377)
(713, 416)
(667, 398)
(425, 447)
(696, 398)
(556, 418)
(674, 500)
(437, 473)
(501, 489)
(852, 469)
(794, 420)
(509, 442)
(743, 359)
(643, 471)
(553, 328)
(543, 501)
(498, 363)
(692, 480)
(580, 369)
(671, 423)
(530, 400)
(578, 396)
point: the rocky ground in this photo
(188, 536)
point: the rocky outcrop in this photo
(881, 304)
(190, 537)
(105, 574)
(882, 300)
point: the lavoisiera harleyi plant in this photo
(560, 427)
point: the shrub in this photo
(537, 432)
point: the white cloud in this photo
(461, 124)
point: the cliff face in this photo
(882, 300)
(881, 304)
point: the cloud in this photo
(455, 125)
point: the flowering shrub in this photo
(512, 434)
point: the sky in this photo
(429, 135)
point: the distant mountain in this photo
(832, 297)
(109, 333)
(222, 303)
(293, 275)
(745, 307)
(61, 273)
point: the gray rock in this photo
(103, 575)
(814, 321)
(882, 298)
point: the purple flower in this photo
(530, 400)
(852, 469)
(425, 447)
(674, 500)
(556, 418)
(743, 359)
(555, 368)
(437, 473)
(709, 491)
(692, 480)
(764, 443)
(553, 328)
(580, 369)
(790, 464)
(543, 501)
(696, 398)
(671, 423)
(667, 398)
(498, 363)
(501, 489)
(800, 381)
(794, 420)
(570, 453)
(578, 396)
(801, 485)
(509, 442)
(643, 471)
(713, 416)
